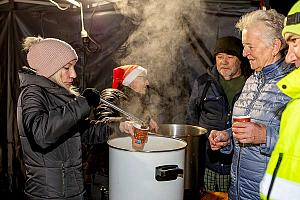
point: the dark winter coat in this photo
(51, 124)
(209, 108)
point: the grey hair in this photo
(29, 41)
(271, 19)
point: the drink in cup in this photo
(140, 136)
(242, 118)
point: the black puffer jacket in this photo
(51, 124)
(209, 108)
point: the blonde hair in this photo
(272, 21)
(56, 78)
(29, 41)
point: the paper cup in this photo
(140, 137)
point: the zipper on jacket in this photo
(261, 83)
(63, 178)
(274, 175)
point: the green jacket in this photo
(282, 178)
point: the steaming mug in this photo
(140, 136)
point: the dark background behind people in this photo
(103, 23)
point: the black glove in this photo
(92, 96)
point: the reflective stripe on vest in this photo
(282, 189)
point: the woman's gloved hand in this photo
(92, 96)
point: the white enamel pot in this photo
(156, 173)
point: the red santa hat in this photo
(126, 74)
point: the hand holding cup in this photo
(238, 128)
(243, 118)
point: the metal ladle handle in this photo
(128, 115)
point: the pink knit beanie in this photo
(50, 55)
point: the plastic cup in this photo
(140, 137)
(242, 118)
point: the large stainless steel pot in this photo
(191, 135)
(156, 173)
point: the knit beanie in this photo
(50, 55)
(292, 21)
(230, 45)
(126, 74)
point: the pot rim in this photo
(185, 130)
(148, 151)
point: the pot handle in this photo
(168, 172)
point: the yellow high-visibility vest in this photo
(282, 177)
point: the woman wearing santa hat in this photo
(128, 92)
(129, 89)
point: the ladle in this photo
(128, 115)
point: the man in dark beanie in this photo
(210, 106)
(233, 46)
(230, 45)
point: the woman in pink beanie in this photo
(53, 121)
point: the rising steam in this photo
(161, 31)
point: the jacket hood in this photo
(290, 85)
(27, 78)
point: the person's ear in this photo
(277, 45)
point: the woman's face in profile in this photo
(66, 75)
(140, 83)
(257, 49)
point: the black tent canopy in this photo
(110, 32)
